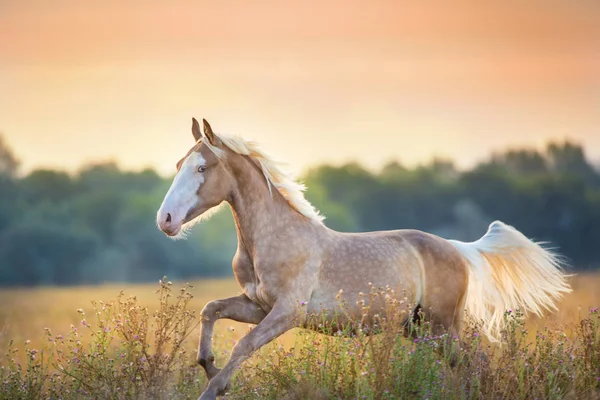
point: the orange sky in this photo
(314, 81)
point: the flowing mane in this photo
(291, 190)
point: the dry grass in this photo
(25, 314)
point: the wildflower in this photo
(303, 303)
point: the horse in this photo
(290, 265)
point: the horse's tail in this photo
(509, 271)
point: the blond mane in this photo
(291, 190)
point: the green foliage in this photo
(99, 225)
(41, 253)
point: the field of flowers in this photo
(101, 343)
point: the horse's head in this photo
(201, 183)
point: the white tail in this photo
(509, 271)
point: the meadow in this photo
(139, 341)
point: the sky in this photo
(314, 82)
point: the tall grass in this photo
(124, 351)
(356, 365)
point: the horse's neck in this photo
(259, 213)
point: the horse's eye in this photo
(202, 168)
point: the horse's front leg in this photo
(281, 319)
(239, 308)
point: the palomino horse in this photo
(290, 265)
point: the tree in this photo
(48, 185)
(8, 162)
(569, 159)
(99, 225)
(43, 253)
(524, 162)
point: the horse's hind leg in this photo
(449, 321)
(452, 343)
(413, 322)
(444, 320)
(439, 323)
(239, 308)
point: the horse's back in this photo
(435, 252)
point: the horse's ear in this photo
(209, 134)
(196, 130)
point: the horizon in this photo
(298, 174)
(325, 83)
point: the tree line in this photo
(98, 225)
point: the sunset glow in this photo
(314, 81)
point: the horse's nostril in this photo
(168, 217)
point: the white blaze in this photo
(182, 197)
